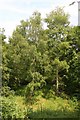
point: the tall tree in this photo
(57, 29)
(3, 58)
(24, 52)
(73, 81)
(31, 29)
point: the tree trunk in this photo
(57, 82)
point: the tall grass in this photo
(54, 108)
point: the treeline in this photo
(43, 57)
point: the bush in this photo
(6, 91)
(11, 109)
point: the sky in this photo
(13, 11)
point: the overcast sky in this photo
(13, 11)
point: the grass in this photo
(47, 113)
(58, 108)
(48, 108)
(42, 104)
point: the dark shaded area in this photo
(48, 114)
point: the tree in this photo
(3, 58)
(28, 51)
(31, 29)
(58, 46)
(57, 23)
(73, 81)
(59, 65)
(21, 55)
(36, 57)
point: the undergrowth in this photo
(39, 106)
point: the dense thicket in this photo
(43, 57)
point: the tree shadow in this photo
(47, 114)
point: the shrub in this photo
(6, 91)
(11, 109)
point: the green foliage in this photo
(11, 109)
(57, 17)
(46, 113)
(6, 91)
(2, 36)
(42, 61)
(36, 57)
(61, 64)
(37, 83)
(54, 108)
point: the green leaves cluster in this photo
(37, 57)
(10, 109)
